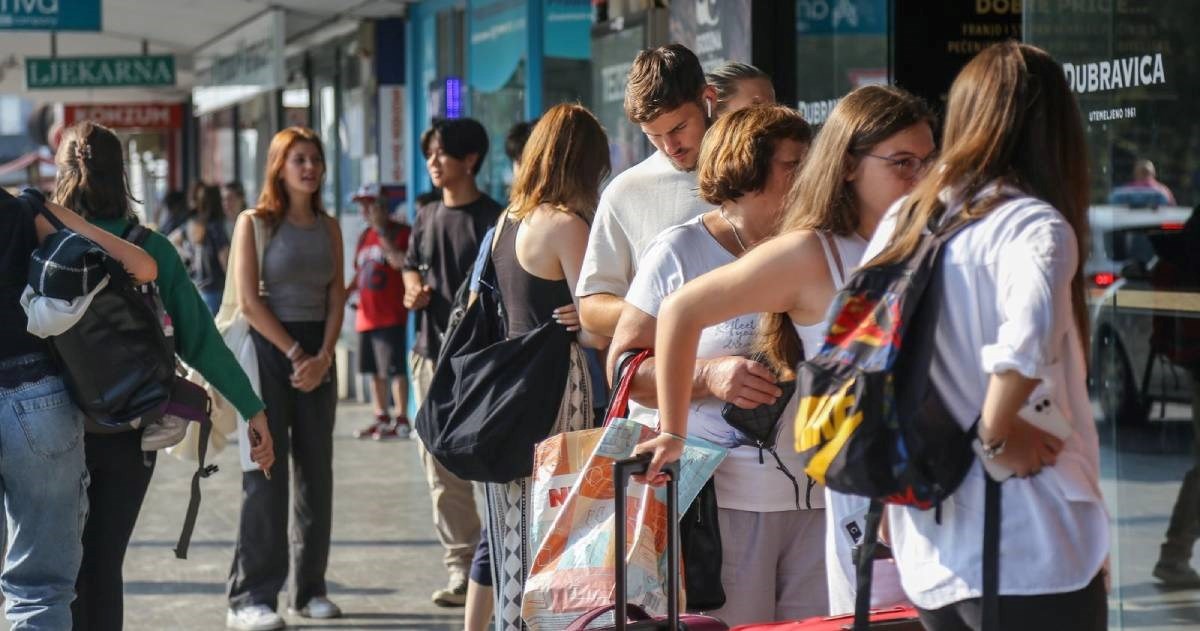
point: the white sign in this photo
(392, 157)
(241, 64)
(1102, 76)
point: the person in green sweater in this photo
(91, 180)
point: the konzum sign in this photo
(127, 115)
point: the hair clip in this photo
(83, 151)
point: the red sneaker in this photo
(393, 431)
(381, 421)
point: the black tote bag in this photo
(491, 398)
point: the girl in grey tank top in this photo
(297, 269)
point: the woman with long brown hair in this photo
(870, 152)
(537, 252)
(294, 305)
(91, 179)
(1013, 324)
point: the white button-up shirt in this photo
(1007, 306)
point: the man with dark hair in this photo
(668, 98)
(514, 142)
(445, 238)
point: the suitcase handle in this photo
(622, 471)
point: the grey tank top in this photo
(297, 269)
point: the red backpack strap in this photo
(627, 366)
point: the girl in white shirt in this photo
(869, 153)
(1013, 319)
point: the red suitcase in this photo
(894, 619)
(633, 618)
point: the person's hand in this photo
(262, 450)
(417, 297)
(665, 449)
(567, 316)
(1027, 449)
(309, 372)
(740, 381)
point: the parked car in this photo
(1141, 311)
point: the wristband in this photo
(682, 439)
(294, 351)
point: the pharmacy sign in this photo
(99, 72)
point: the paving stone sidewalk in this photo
(384, 564)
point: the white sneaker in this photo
(253, 618)
(319, 608)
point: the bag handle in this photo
(260, 248)
(627, 367)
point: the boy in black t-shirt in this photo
(445, 239)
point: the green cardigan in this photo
(196, 338)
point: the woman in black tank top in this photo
(537, 253)
(529, 300)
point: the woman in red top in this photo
(382, 320)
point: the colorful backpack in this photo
(870, 422)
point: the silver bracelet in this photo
(293, 351)
(682, 439)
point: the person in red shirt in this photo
(382, 320)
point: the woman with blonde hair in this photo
(1013, 325)
(875, 145)
(294, 306)
(770, 521)
(537, 252)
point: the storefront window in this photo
(256, 122)
(217, 147)
(613, 51)
(496, 71)
(840, 45)
(1132, 67)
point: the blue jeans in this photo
(43, 480)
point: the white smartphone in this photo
(1039, 411)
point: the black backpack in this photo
(118, 360)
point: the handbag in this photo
(493, 398)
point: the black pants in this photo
(1083, 610)
(120, 477)
(302, 424)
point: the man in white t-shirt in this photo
(668, 98)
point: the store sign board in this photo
(841, 17)
(716, 31)
(50, 15)
(242, 64)
(99, 72)
(392, 169)
(127, 115)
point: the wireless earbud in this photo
(708, 107)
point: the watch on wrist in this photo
(993, 449)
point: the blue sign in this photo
(841, 17)
(497, 35)
(50, 15)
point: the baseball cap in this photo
(366, 191)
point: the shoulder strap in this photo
(991, 555)
(136, 234)
(833, 257)
(35, 201)
(261, 236)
